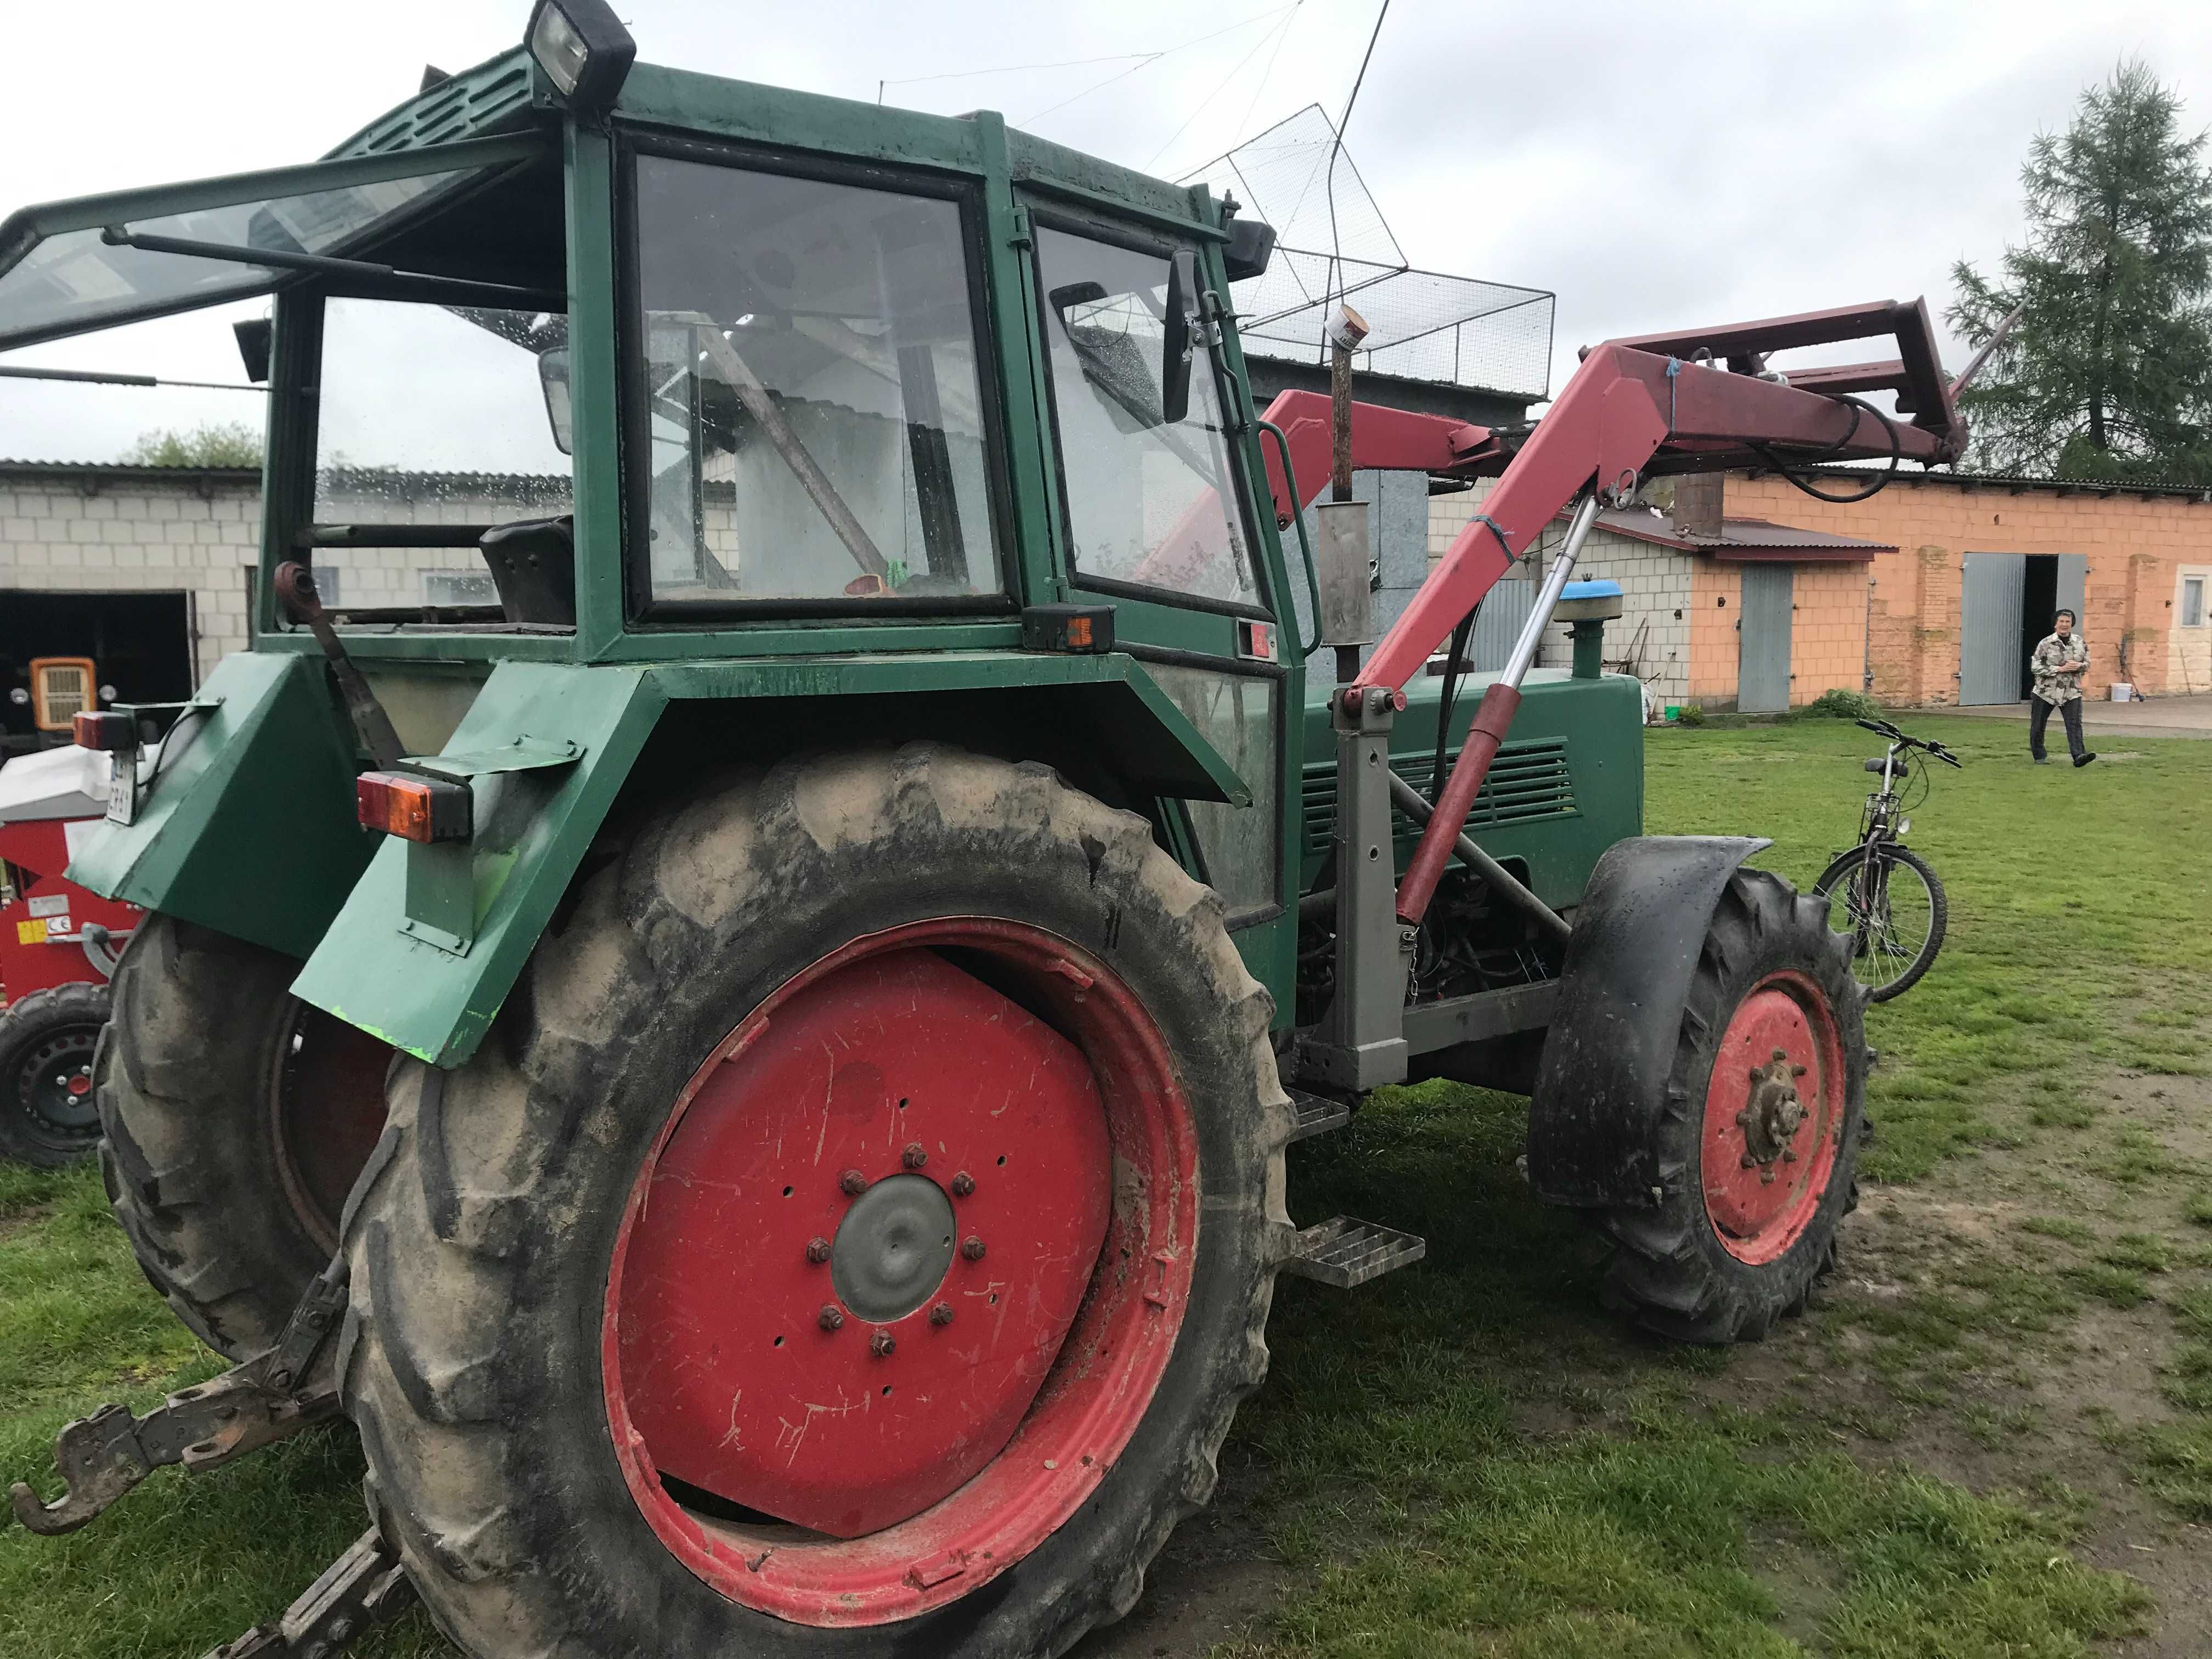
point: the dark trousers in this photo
(2039, 716)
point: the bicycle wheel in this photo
(1895, 911)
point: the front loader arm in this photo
(1655, 406)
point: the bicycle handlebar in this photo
(1901, 740)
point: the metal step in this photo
(1344, 1252)
(1316, 1113)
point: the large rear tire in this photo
(1759, 1137)
(47, 1041)
(532, 1344)
(236, 1118)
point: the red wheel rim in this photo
(1774, 1114)
(954, 1405)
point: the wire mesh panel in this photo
(1332, 240)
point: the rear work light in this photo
(424, 809)
(109, 731)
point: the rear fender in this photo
(1602, 1086)
(406, 966)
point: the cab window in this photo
(813, 424)
(1150, 503)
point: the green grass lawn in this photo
(1469, 1458)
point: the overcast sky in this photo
(1656, 167)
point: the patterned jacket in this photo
(2053, 655)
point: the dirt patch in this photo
(1215, 1581)
(15, 1223)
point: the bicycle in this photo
(1893, 900)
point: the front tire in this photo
(1908, 900)
(533, 1349)
(47, 1041)
(1759, 1135)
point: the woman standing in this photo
(2060, 660)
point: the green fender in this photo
(248, 826)
(431, 939)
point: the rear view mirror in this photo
(553, 378)
(253, 336)
(1175, 344)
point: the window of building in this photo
(2192, 601)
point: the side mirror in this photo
(253, 336)
(553, 380)
(1174, 343)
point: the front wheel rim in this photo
(1773, 1119)
(829, 1489)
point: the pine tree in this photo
(2109, 373)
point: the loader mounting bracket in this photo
(365, 1587)
(274, 1395)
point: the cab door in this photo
(1152, 515)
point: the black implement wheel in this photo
(810, 1263)
(1893, 913)
(1760, 1137)
(237, 1117)
(47, 1040)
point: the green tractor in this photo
(730, 977)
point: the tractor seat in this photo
(534, 566)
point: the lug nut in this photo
(915, 1155)
(883, 1345)
(818, 1250)
(853, 1184)
(941, 1314)
(831, 1318)
(972, 1247)
(962, 1184)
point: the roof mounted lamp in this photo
(583, 50)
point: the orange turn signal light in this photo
(415, 809)
(110, 731)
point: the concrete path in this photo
(2161, 717)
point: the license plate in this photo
(123, 790)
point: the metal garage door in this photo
(1762, 685)
(1505, 609)
(1991, 594)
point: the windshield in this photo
(813, 393)
(432, 418)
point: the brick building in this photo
(149, 572)
(1931, 591)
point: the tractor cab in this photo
(915, 410)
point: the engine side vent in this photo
(1528, 780)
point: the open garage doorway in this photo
(2005, 605)
(140, 645)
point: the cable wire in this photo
(1335, 243)
(1797, 474)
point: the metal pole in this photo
(1486, 730)
(1346, 329)
(1524, 654)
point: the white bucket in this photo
(2123, 692)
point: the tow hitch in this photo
(274, 1395)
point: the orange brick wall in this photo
(1828, 634)
(1827, 630)
(1716, 593)
(2136, 547)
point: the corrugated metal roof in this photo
(13, 468)
(1739, 538)
(2022, 480)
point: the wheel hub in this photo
(892, 1248)
(1773, 1111)
(1771, 1119)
